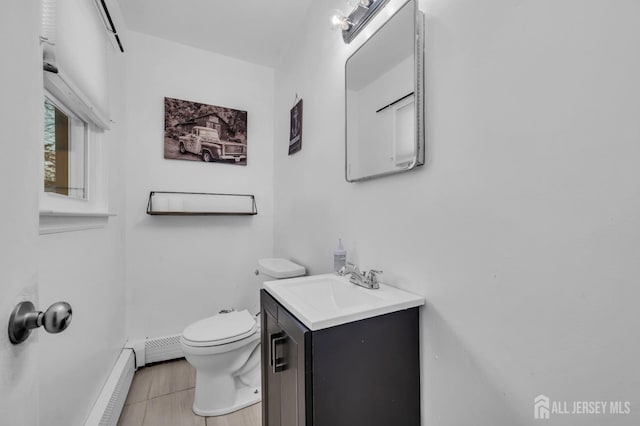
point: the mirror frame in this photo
(418, 86)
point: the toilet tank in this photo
(279, 268)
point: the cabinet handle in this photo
(277, 364)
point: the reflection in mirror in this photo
(384, 99)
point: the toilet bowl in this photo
(225, 351)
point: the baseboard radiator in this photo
(162, 349)
(156, 349)
(108, 407)
(136, 353)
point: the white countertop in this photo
(323, 301)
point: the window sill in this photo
(54, 222)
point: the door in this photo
(21, 125)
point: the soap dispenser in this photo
(339, 257)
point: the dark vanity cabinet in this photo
(365, 372)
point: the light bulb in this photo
(340, 22)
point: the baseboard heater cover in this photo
(156, 349)
(108, 407)
(162, 349)
(136, 353)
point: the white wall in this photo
(522, 231)
(181, 269)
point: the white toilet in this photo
(225, 351)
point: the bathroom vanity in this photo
(329, 360)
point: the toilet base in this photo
(245, 396)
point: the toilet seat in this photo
(220, 329)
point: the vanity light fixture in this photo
(363, 11)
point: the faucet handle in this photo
(354, 267)
(348, 269)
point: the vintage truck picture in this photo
(205, 142)
(201, 132)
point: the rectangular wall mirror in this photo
(385, 99)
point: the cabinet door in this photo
(286, 367)
(270, 379)
(295, 404)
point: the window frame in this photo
(62, 213)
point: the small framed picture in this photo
(295, 134)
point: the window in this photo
(74, 167)
(65, 151)
(74, 170)
(74, 191)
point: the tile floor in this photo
(162, 395)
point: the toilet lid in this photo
(280, 268)
(220, 329)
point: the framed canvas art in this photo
(199, 132)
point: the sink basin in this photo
(322, 301)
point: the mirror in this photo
(385, 99)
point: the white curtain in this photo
(75, 42)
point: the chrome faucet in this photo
(363, 279)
